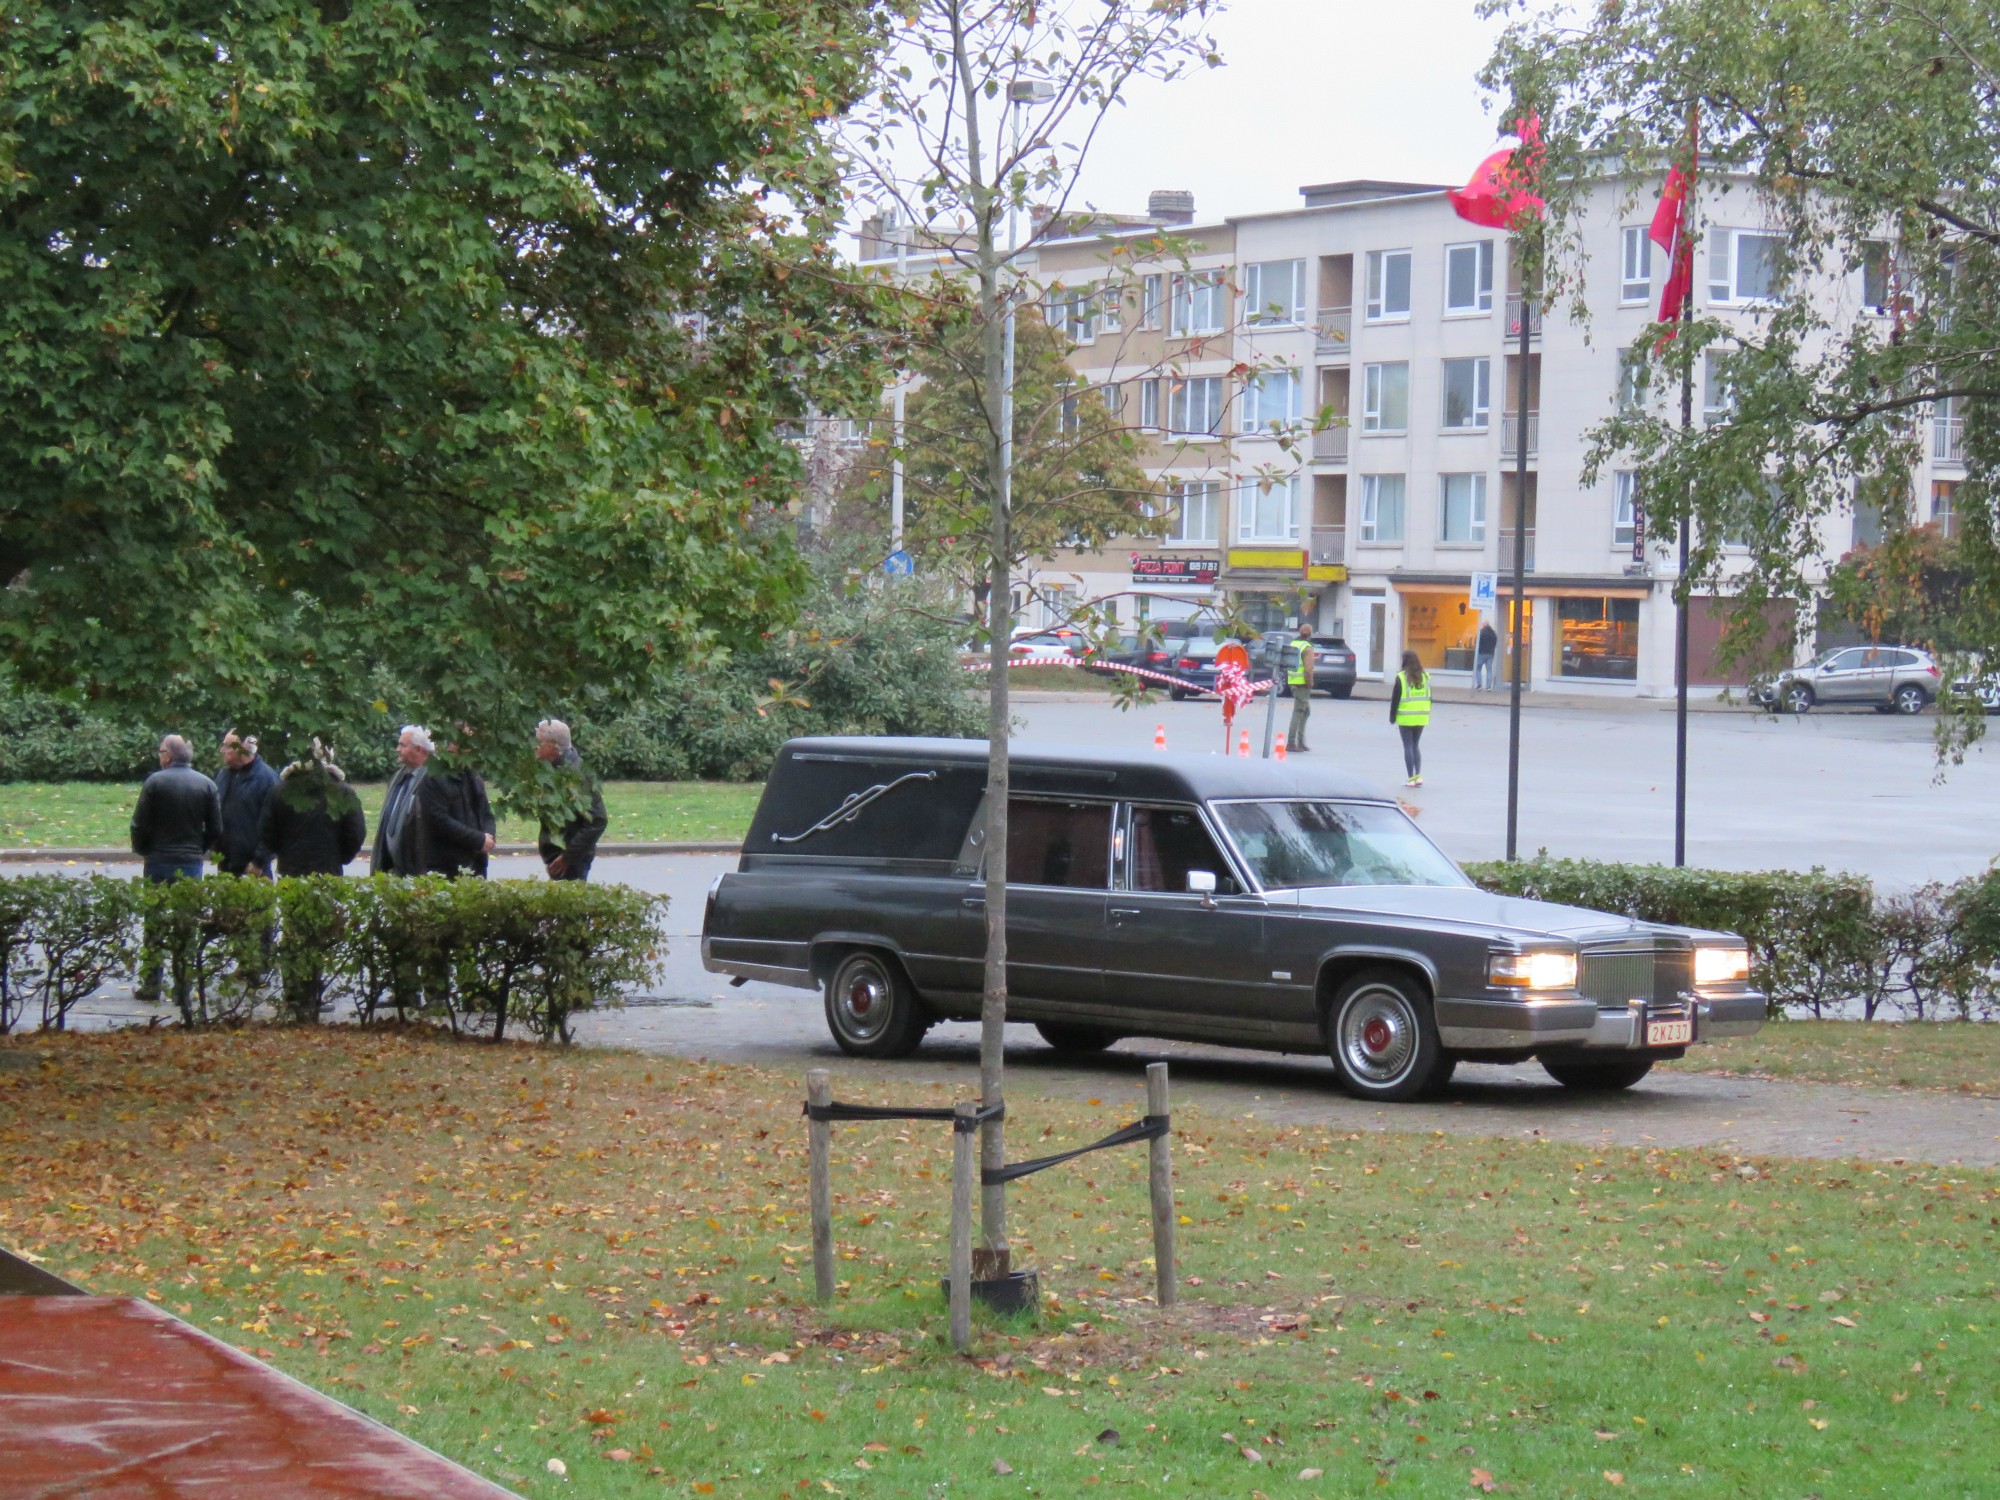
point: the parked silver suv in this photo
(1898, 678)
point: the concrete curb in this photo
(57, 856)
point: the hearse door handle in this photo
(1119, 913)
(974, 902)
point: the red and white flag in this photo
(1673, 232)
(1501, 193)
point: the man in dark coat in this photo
(243, 789)
(458, 830)
(569, 851)
(399, 834)
(178, 820)
(313, 823)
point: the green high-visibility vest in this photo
(1295, 674)
(1413, 706)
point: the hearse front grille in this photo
(1616, 977)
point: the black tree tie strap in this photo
(1152, 1127)
(837, 1111)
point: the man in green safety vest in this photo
(1299, 677)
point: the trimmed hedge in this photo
(1819, 943)
(476, 955)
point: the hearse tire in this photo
(1074, 1038)
(1383, 1038)
(871, 1009)
(1597, 1075)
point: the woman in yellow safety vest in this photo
(1410, 711)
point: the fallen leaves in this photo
(1483, 1481)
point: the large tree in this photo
(408, 340)
(1870, 133)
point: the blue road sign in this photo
(899, 564)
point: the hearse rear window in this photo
(1058, 843)
(845, 807)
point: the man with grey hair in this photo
(399, 834)
(178, 820)
(569, 850)
(244, 788)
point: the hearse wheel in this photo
(1074, 1038)
(1383, 1039)
(1599, 1075)
(871, 1009)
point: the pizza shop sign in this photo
(1202, 570)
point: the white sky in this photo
(1309, 91)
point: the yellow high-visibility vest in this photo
(1297, 674)
(1413, 706)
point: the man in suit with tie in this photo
(399, 835)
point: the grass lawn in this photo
(91, 814)
(521, 1255)
(1963, 1057)
(1058, 679)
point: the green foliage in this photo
(398, 341)
(1819, 942)
(1909, 588)
(213, 937)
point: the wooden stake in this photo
(819, 1140)
(1160, 1150)
(962, 1170)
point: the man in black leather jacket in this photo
(458, 825)
(178, 820)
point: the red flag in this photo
(1673, 233)
(1501, 193)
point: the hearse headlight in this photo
(1715, 967)
(1532, 971)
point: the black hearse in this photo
(1278, 905)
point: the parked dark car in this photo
(1256, 903)
(1131, 650)
(1333, 663)
(1887, 678)
(1192, 666)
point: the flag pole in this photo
(1517, 651)
(1684, 247)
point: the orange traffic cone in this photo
(1243, 744)
(1160, 737)
(1279, 748)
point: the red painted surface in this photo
(110, 1398)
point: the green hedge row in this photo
(1820, 943)
(475, 954)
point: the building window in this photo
(1632, 375)
(1468, 278)
(1070, 417)
(1149, 405)
(1443, 629)
(1270, 401)
(1194, 405)
(1274, 292)
(1114, 399)
(1635, 262)
(1267, 510)
(1462, 508)
(1152, 298)
(1385, 398)
(1072, 313)
(1196, 507)
(1943, 493)
(1598, 638)
(1388, 285)
(1624, 509)
(1200, 303)
(1468, 394)
(1382, 507)
(1718, 395)
(1743, 265)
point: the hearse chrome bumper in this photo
(1572, 1021)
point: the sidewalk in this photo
(1452, 693)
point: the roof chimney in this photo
(1171, 206)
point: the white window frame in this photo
(1624, 508)
(1113, 392)
(1152, 299)
(1108, 301)
(1200, 304)
(1481, 252)
(1632, 384)
(1475, 484)
(1377, 309)
(1635, 265)
(1725, 266)
(1371, 508)
(1072, 312)
(1274, 293)
(1718, 393)
(1149, 405)
(1273, 400)
(1371, 398)
(1181, 412)
(1256, 497)
(1480, 413)
(1206, 494)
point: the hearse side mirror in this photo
(1202, 883)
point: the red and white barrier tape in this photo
(1114, 666)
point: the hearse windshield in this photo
(1291, 845)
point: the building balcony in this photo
(1948, 440)
(1335, 329)
(1510, 433)
(1507, 550)
(1329, 545)
(1330, 445)
(1517, 307)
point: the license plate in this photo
(1669, 1033)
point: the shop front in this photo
(1596, 638)
(1173, 588)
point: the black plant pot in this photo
(1017, 1291)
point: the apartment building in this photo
(1374, 302)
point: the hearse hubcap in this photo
(864, 1003)
(1378, 1036)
